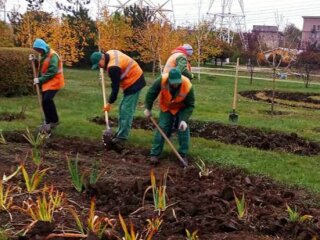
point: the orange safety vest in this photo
(171, 62)
(57, 82)
(167, 103)
(130, 70)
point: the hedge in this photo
(16, 76)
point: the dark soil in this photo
(232, 134)
(305, 100)
(205, 204)
(9, 116)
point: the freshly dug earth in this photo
(293, 99)
(230, 134)
(205, 204)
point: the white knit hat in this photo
(188, 49)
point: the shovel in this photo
(169, 142)
(44, 127)
(233, 116)
(107, 133)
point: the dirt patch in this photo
(248, 137)
(204, 204)
(9, 116)
(293, 99)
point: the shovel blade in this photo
(233, 117)
(107, 137)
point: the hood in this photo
(180, 50)
(39, 43)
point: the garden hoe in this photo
(169, 142)
(107, 133)
(233, 116)
(44, 128)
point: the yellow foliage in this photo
(114, 32)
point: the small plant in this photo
(153, 227)
(294, 215)
(94, 173)
(2, 139)
(76, 177)
(241, 206)
(5, 198)
(36, 143)
(44, 207)
(128, 236)
(204, 171)
(158, 192)
(192, 236)
(32, 182)
(95, 224)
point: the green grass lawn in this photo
(81, 99)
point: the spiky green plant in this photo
(94, 173)
(158, 192)
(2, 139)
(153, 227)
(132, 235)
(37, 144)
(77, 178)
(203, 169)
(192, 236)
(5, 196)
(241, 206)
(32, 181)
(43, 208)
(294, 215)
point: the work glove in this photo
(107, 107)
(192, 76)
(147, 113)
(35, 81)
(183, 126)
(31, 57)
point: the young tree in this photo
(308, 61)
(6, 37)
(292, 36)
(115, 32)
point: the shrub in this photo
(16, 76)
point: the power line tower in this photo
(161, 10)
(228, 22)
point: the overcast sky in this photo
(257, 12)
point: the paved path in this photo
(195, 71)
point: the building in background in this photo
(310, 31)
(269, 37)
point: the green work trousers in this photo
(127, 108)
(165, 123)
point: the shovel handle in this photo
(168, 141)
(104, 97)
(35, 75)
(235, 92)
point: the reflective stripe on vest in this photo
(167, 102)
(57, 82)
(130, 70)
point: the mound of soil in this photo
(293, 99)
(231, 134)
(8, 116)
(205, 204)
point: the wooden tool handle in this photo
(169, 142)
(104, 97)
(235, 86)
(35, 75)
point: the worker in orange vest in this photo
(50, 81)
(125, 73)
(179, 58)
(176, 101)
